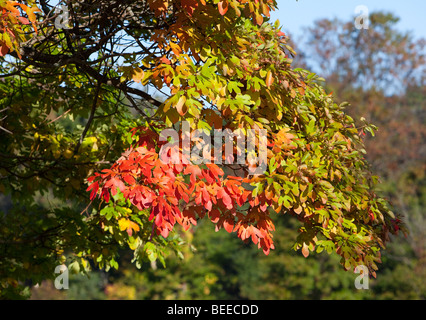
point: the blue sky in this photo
(294, 15)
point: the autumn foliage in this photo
(183, 193)
(316, 169)
(12, 22)
(83, 120)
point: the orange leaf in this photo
(217, 171)
(298, 210)
(223, 7)
(10, 7)
(259, 19)
(305, 250)
(134, 226)
(266, 10)
(269, 79)
(158, 6)
(228, 224)
(176, 48)
(165, 60)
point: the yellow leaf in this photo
(31, 16)
(175, 48)
(123, 224)
(137, 74)
(180, 105)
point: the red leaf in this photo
(106, 195)
(94, 187)
(208, 176)
(90, 179)
(181, 191)
(129, 179)
(3, 50)
(23, 20)
(226, 199)
(214, 215)
(194, 171)
(215, 169)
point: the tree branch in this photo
(91, 116)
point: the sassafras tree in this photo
(82, 124)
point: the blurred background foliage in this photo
(382, 73)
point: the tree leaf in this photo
(269, 79)
(180, 106)
(223, 7)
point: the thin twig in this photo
(4, 129)
(60, 116)
(85, 210)
(90, 120)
